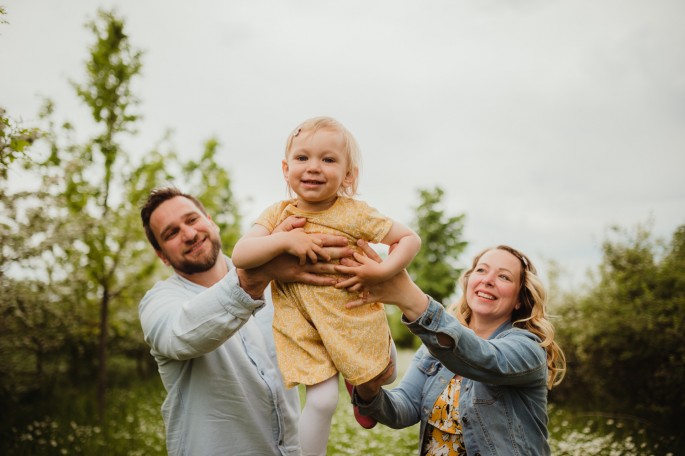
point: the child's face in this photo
(316, 168)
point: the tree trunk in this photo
(102, 355)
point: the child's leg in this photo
(315, 421)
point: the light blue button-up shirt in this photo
(216, 357)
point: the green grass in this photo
(64, 426)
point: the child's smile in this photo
(316, 169)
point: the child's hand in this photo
(366, 273)
(304, 246)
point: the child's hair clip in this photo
(297, 131)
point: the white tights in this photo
(315, 421)
(320, 403)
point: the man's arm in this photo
(180, 323)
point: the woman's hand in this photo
(364, 273)
(369, 390)
(399, 290)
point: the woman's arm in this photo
(399, 289)
(398, 407)
(514, 359)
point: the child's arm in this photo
(258, 247)
(408, 244)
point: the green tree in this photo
(434, 269)
(101, 164)
(74, 261)
(628, 330)
(14, 141)
(212, 185)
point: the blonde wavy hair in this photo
(531, 315)
(350, 148)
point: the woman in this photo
(479, 384)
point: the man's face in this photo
(189, 240)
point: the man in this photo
(209, 330)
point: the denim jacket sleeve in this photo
(401, 407)
(512, 356)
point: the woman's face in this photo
(493, 287)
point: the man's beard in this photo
(201, 264)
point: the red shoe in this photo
(365, 421)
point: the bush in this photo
(625, 338)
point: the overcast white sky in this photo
(544, 121)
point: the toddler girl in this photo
(316, 336)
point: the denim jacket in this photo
(503, 399)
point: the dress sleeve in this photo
(269, 218)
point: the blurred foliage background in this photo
(74, 263)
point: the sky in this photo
(544, 121)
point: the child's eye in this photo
(301, 158)
(329, 160)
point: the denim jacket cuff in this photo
(430, 323)
(367, 407)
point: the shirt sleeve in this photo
(182, 324)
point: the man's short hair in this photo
(157, 197)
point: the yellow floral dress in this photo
(315, 335)
(443, 435)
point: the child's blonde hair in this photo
(350, 148)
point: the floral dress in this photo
(316, 336)
(443, 435)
